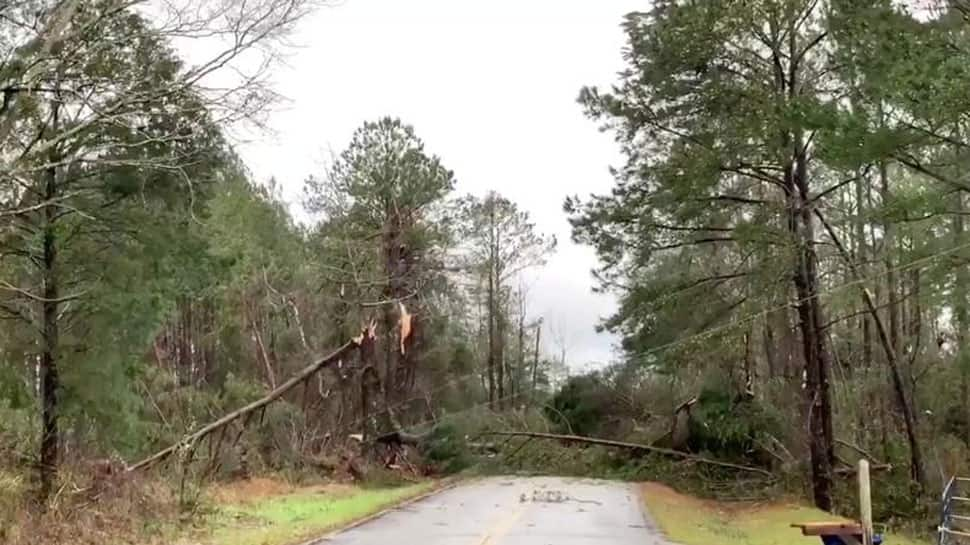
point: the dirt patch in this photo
(261, 488)
(336, 490)
(251, 490)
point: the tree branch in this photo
(630, 446)
(190, 440)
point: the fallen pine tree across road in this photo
(630, 446)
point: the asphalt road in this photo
(514, 511)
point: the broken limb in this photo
(630, 446)
(191, 439)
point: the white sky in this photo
(491, 88)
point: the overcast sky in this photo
(491, 88)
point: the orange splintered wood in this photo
(405, 326)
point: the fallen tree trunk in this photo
(630, 446)
(337, 355)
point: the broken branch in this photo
(631, 446)
(259, 404)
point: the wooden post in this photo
(865, 502)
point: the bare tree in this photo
(500, 242)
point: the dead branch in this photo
(631, 446)
(686, 405)
(850, 471)
(261, 403)
(773, 454)
(859, 450)
(905, 403)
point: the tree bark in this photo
(861, 257)
(491, 337)
(814, 346)
(255, 327)
(961, 311)
(906, 405)
(500, 363)
(391, 243)
(493, 258)
(514, 378)
(889, 243)
(749, 371)
(49, 376)
(535, 362)
(500, 315)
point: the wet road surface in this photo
(514, 511)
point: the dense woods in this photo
(786, 238)
(149, 285)
(787, 230)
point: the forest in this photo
(786, 239)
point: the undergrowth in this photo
(298, 516)
(156, 508)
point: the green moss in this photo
(297, 517)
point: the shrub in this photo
(729, 426)
(581, 405)
(447, 449)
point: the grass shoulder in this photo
(265, 513)
(687, 520)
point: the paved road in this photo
(514, 511)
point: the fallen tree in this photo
(629, 446)
(189, 441)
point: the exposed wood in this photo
(405, 325)
(631, 446)
(680, 425)
(307, 372)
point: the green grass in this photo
(690, 521)
(294, 518)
